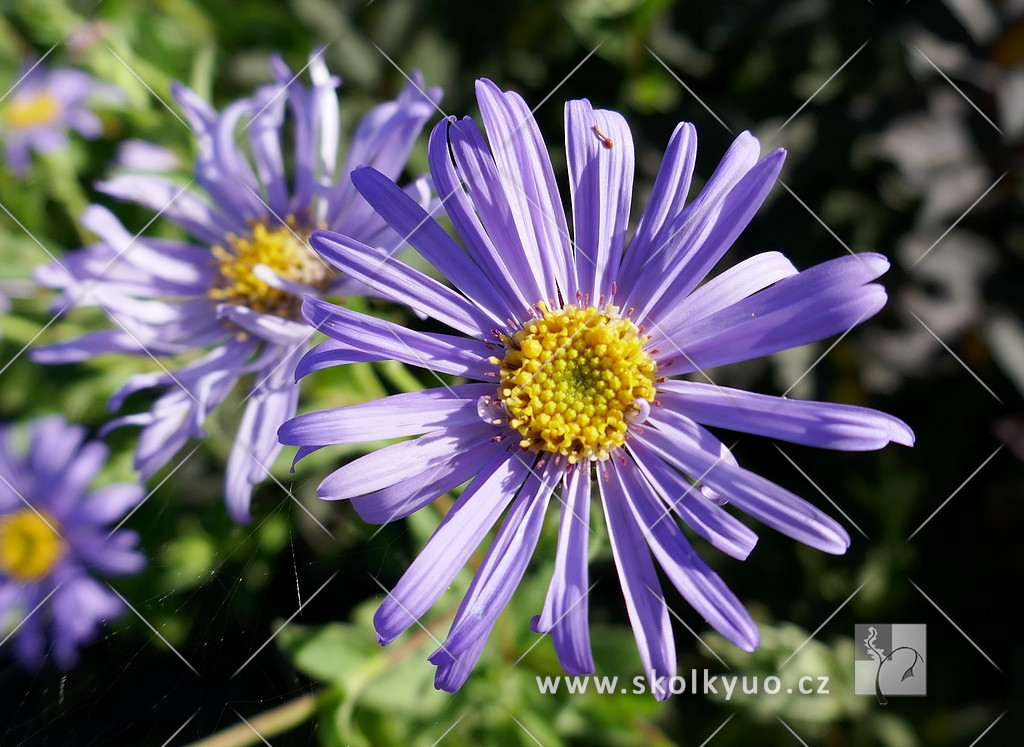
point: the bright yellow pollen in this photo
(29, 545)
(32, 111)
(570, 379)
(280, 249)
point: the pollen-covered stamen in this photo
(29, 545)
(243, 265)
(571, 380)
(32, 111)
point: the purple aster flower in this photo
(233, 291)
(44, 105)
(54, 534)
(571, 346)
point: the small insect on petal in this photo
(604, 138)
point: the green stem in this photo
(268, 724)
(279, 720)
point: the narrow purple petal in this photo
(821, 424)
(529, 184)
(600, 184)
(402, 284)
(768, 503)
(200, 114)
(827, 299)
(405, 414)
(256, 445)
(671, 188)
(408, 496)
(495, 582)
(115, 555)
(183, 263)
(86, 347)
(78, 608)
(708, 232)
(478, 173)
(651, 265)
(710, 521)
(366, 338)
(733, 285)
(422, 231)
(401, 461)
(325, 355)
(71, 479)
(54, 445)
(645, 604)
(566, 614)
(175, 202)
(326, 113)
(454, 540)
(695, 581)
(166, 428)
(383, 139)
(452, 189)
(269, 327)
(108, 504)
(223, 171)
(265, 141)
(453, 673)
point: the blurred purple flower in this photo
(234, 291)
(55, 533)
(44, 105)
(570, 343)
(139, 155)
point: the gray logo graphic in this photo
(890, 660)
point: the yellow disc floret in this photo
(570, 381)
(29, 545)
(32, 111)
(284, 252)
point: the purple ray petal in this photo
(734, 284)
(495, 582)
(695, 581)
(454, 540)
(671, 188)
(256, 445)
(368, 338)
(422, 231)
(513, 286)
(751, 493)
(407, 496)
(405, 414)
(529, 184)
(821, 424)
(197, 216)
(648, 613)
(565, 614)
(698, 244)
(709, 520)
(650, 267)
(401, 461)
(402, 284)
(825, 300)
(600, 184)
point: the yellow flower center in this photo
(570, 381)
(284, 253)
(32, 111)
(29, 545)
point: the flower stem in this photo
(268, 724)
